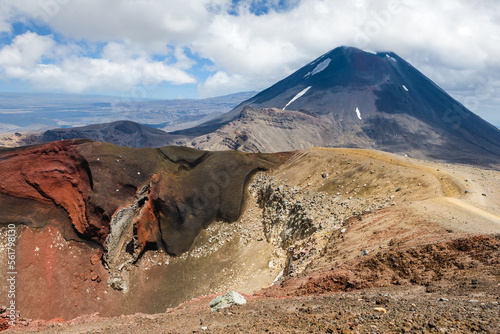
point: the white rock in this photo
(227, 300)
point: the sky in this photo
(165, 49)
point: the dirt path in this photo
(473, 210)
(462, 198)
(456, 214)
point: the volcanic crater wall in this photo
(118, 202)
(176, 191)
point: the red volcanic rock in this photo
(54, 273)
(95, 258)
(146, 225)
(55, 173)
(4, 323)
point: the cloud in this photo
(26, 50)
(120, 69)
(222, 83)
(152, 24)
(83, 74)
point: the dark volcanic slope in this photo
(374, 101)
(124, 133)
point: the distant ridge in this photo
(124, 133)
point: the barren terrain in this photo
(330, 240)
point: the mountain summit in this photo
(360, 99)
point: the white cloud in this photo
(222, 83)
(121, 51)
(82, 74)
(121, 68)
(26, 50)
(150, 23)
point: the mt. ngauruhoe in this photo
(352, 98)
(345, 98)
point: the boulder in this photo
(227, 300)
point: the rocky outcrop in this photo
(227, 300)
(300, 221)
(131, 228)
(267, 130)
(57, 176)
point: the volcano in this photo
(357, 99)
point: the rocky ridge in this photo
(299, 220)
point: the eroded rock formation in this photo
(57, 177)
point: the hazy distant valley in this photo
(39, 112)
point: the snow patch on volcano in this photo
(358, 113)
(298, 96)
(391, 58)
(320, 67)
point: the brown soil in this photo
(424, 265)
(394, 309)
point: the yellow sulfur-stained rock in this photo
(380, 310)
